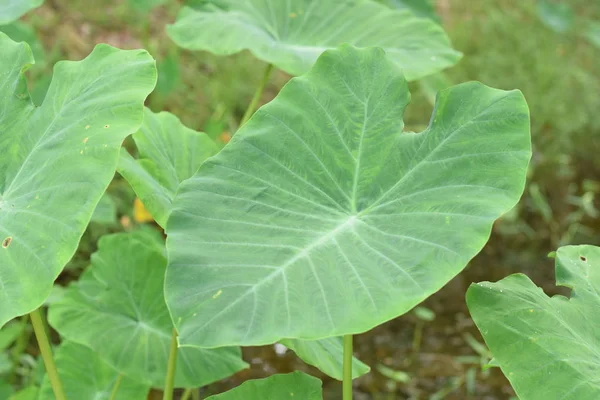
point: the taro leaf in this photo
(86, 377)
(169, 153)
(421, 8)
(322, 218)
(296, 385)
(548, 347)
(21, 32)
(11, 10)
(117, 309)
(557, 16)
(57, 160)
(292, 34)
(327, 355)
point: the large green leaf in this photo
(292, 34)
(322, 218)
(296, 385)
(422, 8)
(169, 153)
(57, 160)
(11, 10)
(548, 347)
(86, 377)
(117, 309)
(325, 354)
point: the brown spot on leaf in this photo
(106, 126)
(582, 258)
(6, 242)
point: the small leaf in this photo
(326, 355)
(117, 309)
(292, 34)
(294, 386)
(536, 338)
(169, 153)
(11, 10)
(57, 160)
(323, 218)
(86, 377)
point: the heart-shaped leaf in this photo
(323, 218)
(86, 377)
(117, 309)
(292, 34)
(548, 347)
(57, 160)
(11, 10)
(327, 355)
(169, 153)
(296, 385)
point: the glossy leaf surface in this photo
(548, 347)
(11, 10)
(86, 377)
(117, 309)
(326, 354)
(323, 218)
(292, 34)
(169, 153)
(57, 160)
(296, 385)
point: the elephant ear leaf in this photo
(537, 338)
(169, 153)
(292, 34)
(322, 217)
(58, 159)
(296, 385)
(11, 10)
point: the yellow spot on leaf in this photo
(106, 126)
(85, 140)
(217, 294)
(87, 127)
(140, 214)
(6, 242)
(81, 152)
(293, 15)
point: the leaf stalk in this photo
(347, 368)
(170, 378)
(257, 95)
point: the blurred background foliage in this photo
(548, 49)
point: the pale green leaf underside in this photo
(86, 377)
(327, 355)
(11, 10)
(548, 347)
(296, 385)
(322, 218)
(169, 153)
(117, 309)
(292, 34)
(57, 160)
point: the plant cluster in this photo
(321, 219)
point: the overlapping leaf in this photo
(326, 355)
(296, 385)
(548, 347)
(117, 309)
(57, 160)
(86, 377)
(11, 10)
(169, 153)
(292, 34)
(323, 218)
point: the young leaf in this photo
(86, 377)
(535, 338)
(117, 309)
(11, 10)
(292, 34)
(169, 154)
(296, 385)
(57, 160)
(327, 355)
(322, 218)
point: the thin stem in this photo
(113, 394)
(347, 372)
(257, 95)
(170, 378)
(46, 350)
(187, 394)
